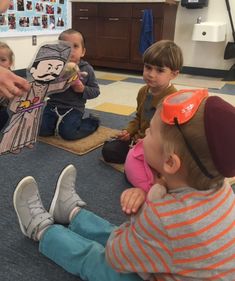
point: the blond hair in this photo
(164, 53)
(71, 31)
(194, 132)
(11, 56)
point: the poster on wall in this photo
(27, 17)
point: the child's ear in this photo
(83, 53)
(172, 164)
(174, 73)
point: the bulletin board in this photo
(32, 17)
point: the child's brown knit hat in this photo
(219, 119)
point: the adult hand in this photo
(132, 199)
(12, 85)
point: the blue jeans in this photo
(71, 127)
(79, 249)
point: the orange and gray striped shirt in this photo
(186, 235)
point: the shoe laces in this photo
(35, 205)
(73, 192)
(72, 186)
(79, 201)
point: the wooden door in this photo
(113, 39)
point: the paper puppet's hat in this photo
(60, 51)
(219, 120)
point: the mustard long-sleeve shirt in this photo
(141, 122)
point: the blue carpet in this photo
(98, 184)
(104, 81)
(227, 89)
(134, 80)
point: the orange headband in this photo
(182, 105)
(178, 109)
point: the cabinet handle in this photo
(114, 19)
(83, 18)
(83, 10)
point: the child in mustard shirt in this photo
(162, 63)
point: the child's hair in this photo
(194, 131)
(164, 53)
(71, 31)
(10, 52)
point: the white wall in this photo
(196, 53)
(22, 46)
(200, 53)
(23, 50)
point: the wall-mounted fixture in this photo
(209, 31)
(194, 4)
(34, 40)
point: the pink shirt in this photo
(137, 171)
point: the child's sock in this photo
(74, 213)
(41, 232)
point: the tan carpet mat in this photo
(84, 145)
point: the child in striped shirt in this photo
(183, 230)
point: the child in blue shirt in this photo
(63, 114)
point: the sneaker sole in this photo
(57, 188)
(19, 187)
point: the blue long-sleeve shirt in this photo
(70, 99)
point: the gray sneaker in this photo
(31, 214)
(65, 198)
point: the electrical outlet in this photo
(34, 40)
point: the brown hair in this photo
(164, 53)
(194, 132)
(69, 32)
(10, 52)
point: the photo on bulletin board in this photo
(28, 17)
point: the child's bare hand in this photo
(78, 86)
(132, 199)
(124, 135)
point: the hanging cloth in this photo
(146, 35)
